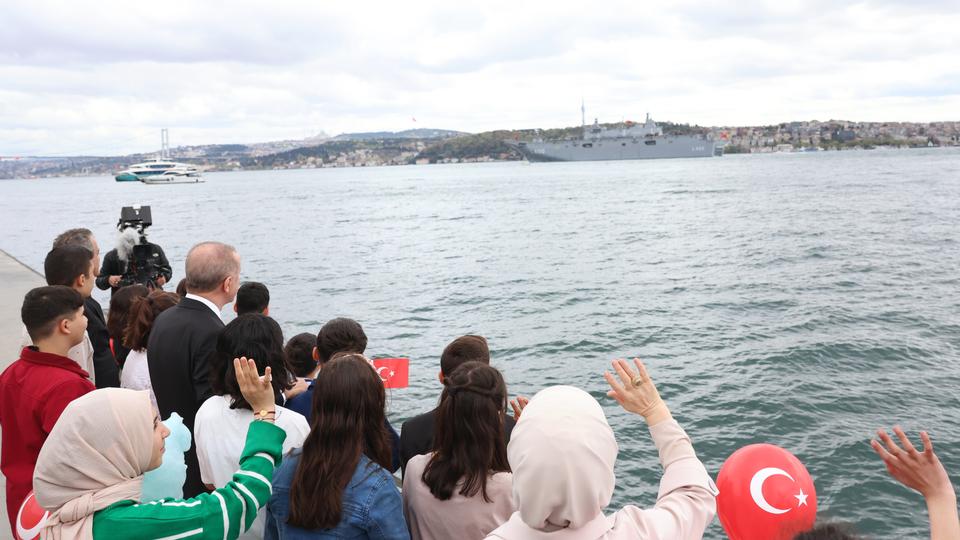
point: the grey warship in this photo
(630, 141)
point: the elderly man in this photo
(183, 337)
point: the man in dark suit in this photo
(105, 371)
(416, 435)
(183, 337)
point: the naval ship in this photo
(630, 141)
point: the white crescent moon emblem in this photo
(381, 374)
(756, 488)
(33, 532)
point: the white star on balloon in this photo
(801, 498)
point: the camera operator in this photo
(135, 260)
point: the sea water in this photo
(802, 300)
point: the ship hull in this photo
(662, 147)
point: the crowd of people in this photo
(290, 439)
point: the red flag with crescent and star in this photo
(765, 492)
(394, 372)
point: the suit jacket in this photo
(106, 374)
(180, 341)
(416, 435)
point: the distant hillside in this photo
(420, 133)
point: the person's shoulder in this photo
(292, 421)
(214, 410)
(283, 476)
(420, 422)
(417, 464)
(301, 403)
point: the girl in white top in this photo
(143, 311)
(562, 453)
(221, 424)
(464, 488)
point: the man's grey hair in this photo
(208, 264)
(75, 237)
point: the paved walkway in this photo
(15, 280)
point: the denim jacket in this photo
(371, 506)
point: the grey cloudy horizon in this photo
(103, 78)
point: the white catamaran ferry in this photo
(161, 170)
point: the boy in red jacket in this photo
(35, 389)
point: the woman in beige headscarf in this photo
(562, 453)
(89, 474)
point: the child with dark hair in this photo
(36, 388)
(252, 297)
(145, 310)
(182, 287)
(339, 485)
(222, 421)
(120, 303)
(71, 266)
(299, 353)
(464, 488)
(338, 336)
(416, 437)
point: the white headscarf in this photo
(562, 453)
(95, 456)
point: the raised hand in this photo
(635, 391)
(256, 390)
(517, 405)
(917, 470)
(923, 472)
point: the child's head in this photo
(253, 336)
(252, 297)
(54, 312)
(120, 304)
(71, 266)
(340, 335)
(299, 353)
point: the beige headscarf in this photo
(562, 453)
(95, 456)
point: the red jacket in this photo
(34, 390)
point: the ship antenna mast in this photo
(583, 114)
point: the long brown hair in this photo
(120, 303)
(468, 442)
(348, 420)
(143, 312)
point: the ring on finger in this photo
(637, 381)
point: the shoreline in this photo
(16, 278)
(762, 151)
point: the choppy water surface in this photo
(801, 300)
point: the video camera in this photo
(142, 264)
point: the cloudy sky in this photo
(79, 77)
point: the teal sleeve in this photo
(222, 514)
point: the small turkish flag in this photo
(395, 372)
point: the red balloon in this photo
(765, 494)
(30, 519)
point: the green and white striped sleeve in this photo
(220, 515)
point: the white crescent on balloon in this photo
(756, 488)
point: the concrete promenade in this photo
(15, 280)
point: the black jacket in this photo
(416, 435)
(180, 341)
(113, 266)
(105, 370)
